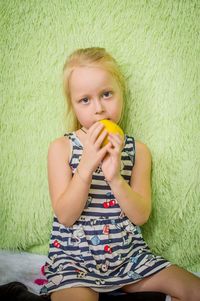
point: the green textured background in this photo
(157, 44)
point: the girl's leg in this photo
(174, 281)
(75, 294)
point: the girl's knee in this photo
(174, 281)
(75, 294)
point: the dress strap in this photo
(76, 149)
(75, 141)
(129, 147)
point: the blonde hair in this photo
(84, 57)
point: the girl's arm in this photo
(69, 193)
(135, 199)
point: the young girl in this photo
(101, 195)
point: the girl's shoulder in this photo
(60, 147)
(62, 142)
(139, 145)
(142, 150)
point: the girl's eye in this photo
(107, 94)
(84, 100)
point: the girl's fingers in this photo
(95, 131)
(116, 141)
(119, 139)
(105, 149)
(92, 128)
(101, 138)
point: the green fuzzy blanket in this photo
(157, 45)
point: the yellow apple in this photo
(112, 128)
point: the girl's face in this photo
(95, 95)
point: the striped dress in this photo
(103, 250)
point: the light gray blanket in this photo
(22, 267)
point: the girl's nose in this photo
(98, 106)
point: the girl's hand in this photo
(111, 164)
(93, 153)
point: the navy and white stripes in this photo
(103, 250)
